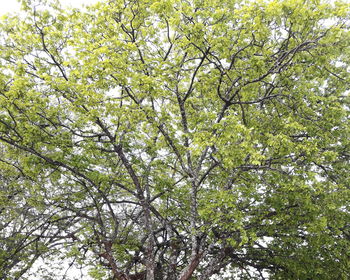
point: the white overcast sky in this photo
(13, 5)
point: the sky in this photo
(13, 5)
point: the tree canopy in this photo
(176, 139)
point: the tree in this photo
(177, 139)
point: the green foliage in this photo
(176, 139)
